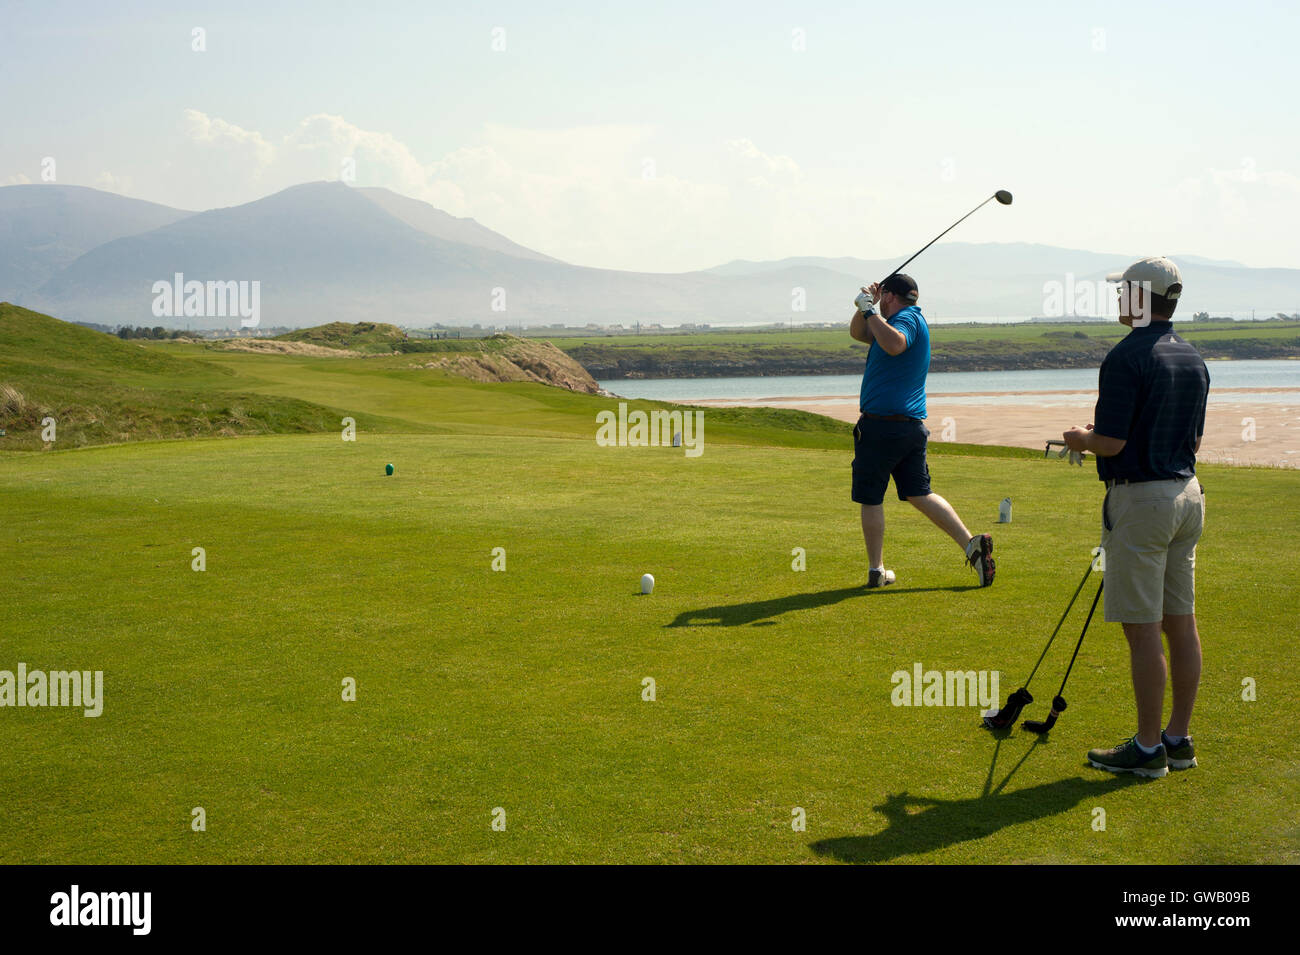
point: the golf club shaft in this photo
(943, 233)
(1082, 633)
(1061, 622)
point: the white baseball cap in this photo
(1157, 272)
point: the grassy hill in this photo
(103, 390)
(100, 389)
(373, 337)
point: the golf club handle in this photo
(1068, 607)
(1091, 611)
(941, 235)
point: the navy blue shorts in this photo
(885, 449)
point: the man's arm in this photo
(1086, 439)
(858, 328)
(1200, 424)
(1117, 401)
(887, 336)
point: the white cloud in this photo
(111, 183)
(325, 141)
(218, 133)
(762, 168)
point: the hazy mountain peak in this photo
(442, 225)
(46, 226)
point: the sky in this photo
(676, 136)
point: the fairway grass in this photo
(522, 689)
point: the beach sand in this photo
(1274, 439)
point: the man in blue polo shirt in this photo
(890, 437)
(1146, 430)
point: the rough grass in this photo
(348, 336)
(277, 347)
(102, 390)
(99, 389)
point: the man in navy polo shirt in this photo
(1146, 430)
(890, 437)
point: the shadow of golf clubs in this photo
(946, 822)
(761, 612)
(1000, 736)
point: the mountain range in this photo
(326, 251)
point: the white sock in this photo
(1148, 752)
(880, 569)
(972, 546)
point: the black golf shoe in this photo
(979, 555)
(1182, 756)
(1127, 758)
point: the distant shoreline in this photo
(831, 353)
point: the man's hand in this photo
(860, 324)
(1076, 439)
(1086, 439)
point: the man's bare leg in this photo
(1147, 659)
(940, 511)
(1184, 669)
(873, 532)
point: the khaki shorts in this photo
(1149, 534)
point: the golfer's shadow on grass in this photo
(919, 824)
(762, 612)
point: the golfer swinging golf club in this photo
(1147, 428)
(890, 437)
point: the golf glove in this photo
(863, 302)
(1076, 457)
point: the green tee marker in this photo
(388, 469)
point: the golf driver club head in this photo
(1034, 726)
(1001, 196)
(1006, 716)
